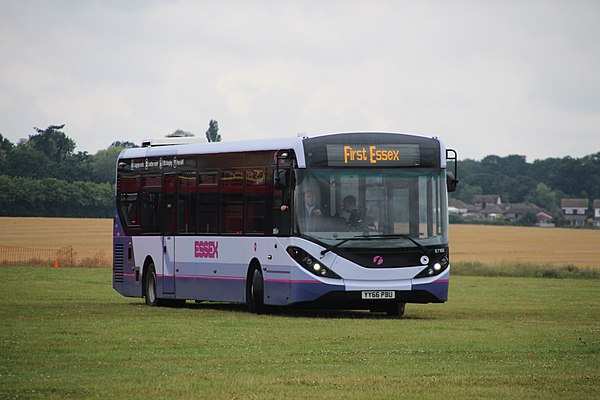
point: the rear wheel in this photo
(256, 293)
(396, 310)
(150, 290)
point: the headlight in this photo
(310, 263)
(434, 268)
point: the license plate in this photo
(378, 294)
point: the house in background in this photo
(457, 207)
(491, 208)
(491, 212)
(575, 211)
(514, 211)
(482, 201)
(544, 220)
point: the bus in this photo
(335, 221)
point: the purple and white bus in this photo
(347, 220)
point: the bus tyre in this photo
(396, 310)
(150, 286)
(257, 293)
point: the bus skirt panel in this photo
(212, 288)
(436, 286)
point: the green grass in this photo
(524, 270)
(65, 334)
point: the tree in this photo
(27, 161)
(180, 133)
(51, 197)
(527, 219)
(518, 188)
(52, 142)
(544, 197)
(124, 144)
(212, 134)
(465, 192)
(102, 164)
(6, 147)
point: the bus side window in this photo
(232, 199)
(255, 193)
(128, 187)
(208, 202)
(186, 202)
(129, 208)
(151, 203)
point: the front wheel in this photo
(256, 296)
(396, 310)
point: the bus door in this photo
(281, 215)
(169, 223)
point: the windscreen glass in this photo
(372, 206)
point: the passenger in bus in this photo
(355, 219)
(349, 212)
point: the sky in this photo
(497, 77)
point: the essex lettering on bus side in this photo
(206, 249)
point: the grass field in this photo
(65, 334)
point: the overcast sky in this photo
(488, 77)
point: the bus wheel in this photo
(257, 293)
(150, 286)
(396, 310)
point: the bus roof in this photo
(294, 143)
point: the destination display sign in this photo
(377, 155)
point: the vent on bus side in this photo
(118, 263)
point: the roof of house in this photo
(458, 204)
(520, 208)
(597, 203)
(491, 209)
(577, 203)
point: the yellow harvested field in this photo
(529, 245)
(87, 235)
(468, 243)
(42, 237)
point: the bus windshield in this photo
(383, 207)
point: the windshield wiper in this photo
(327, 250)
(384, 237)
(407, 237)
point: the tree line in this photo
(542, 182)
(44, 175)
